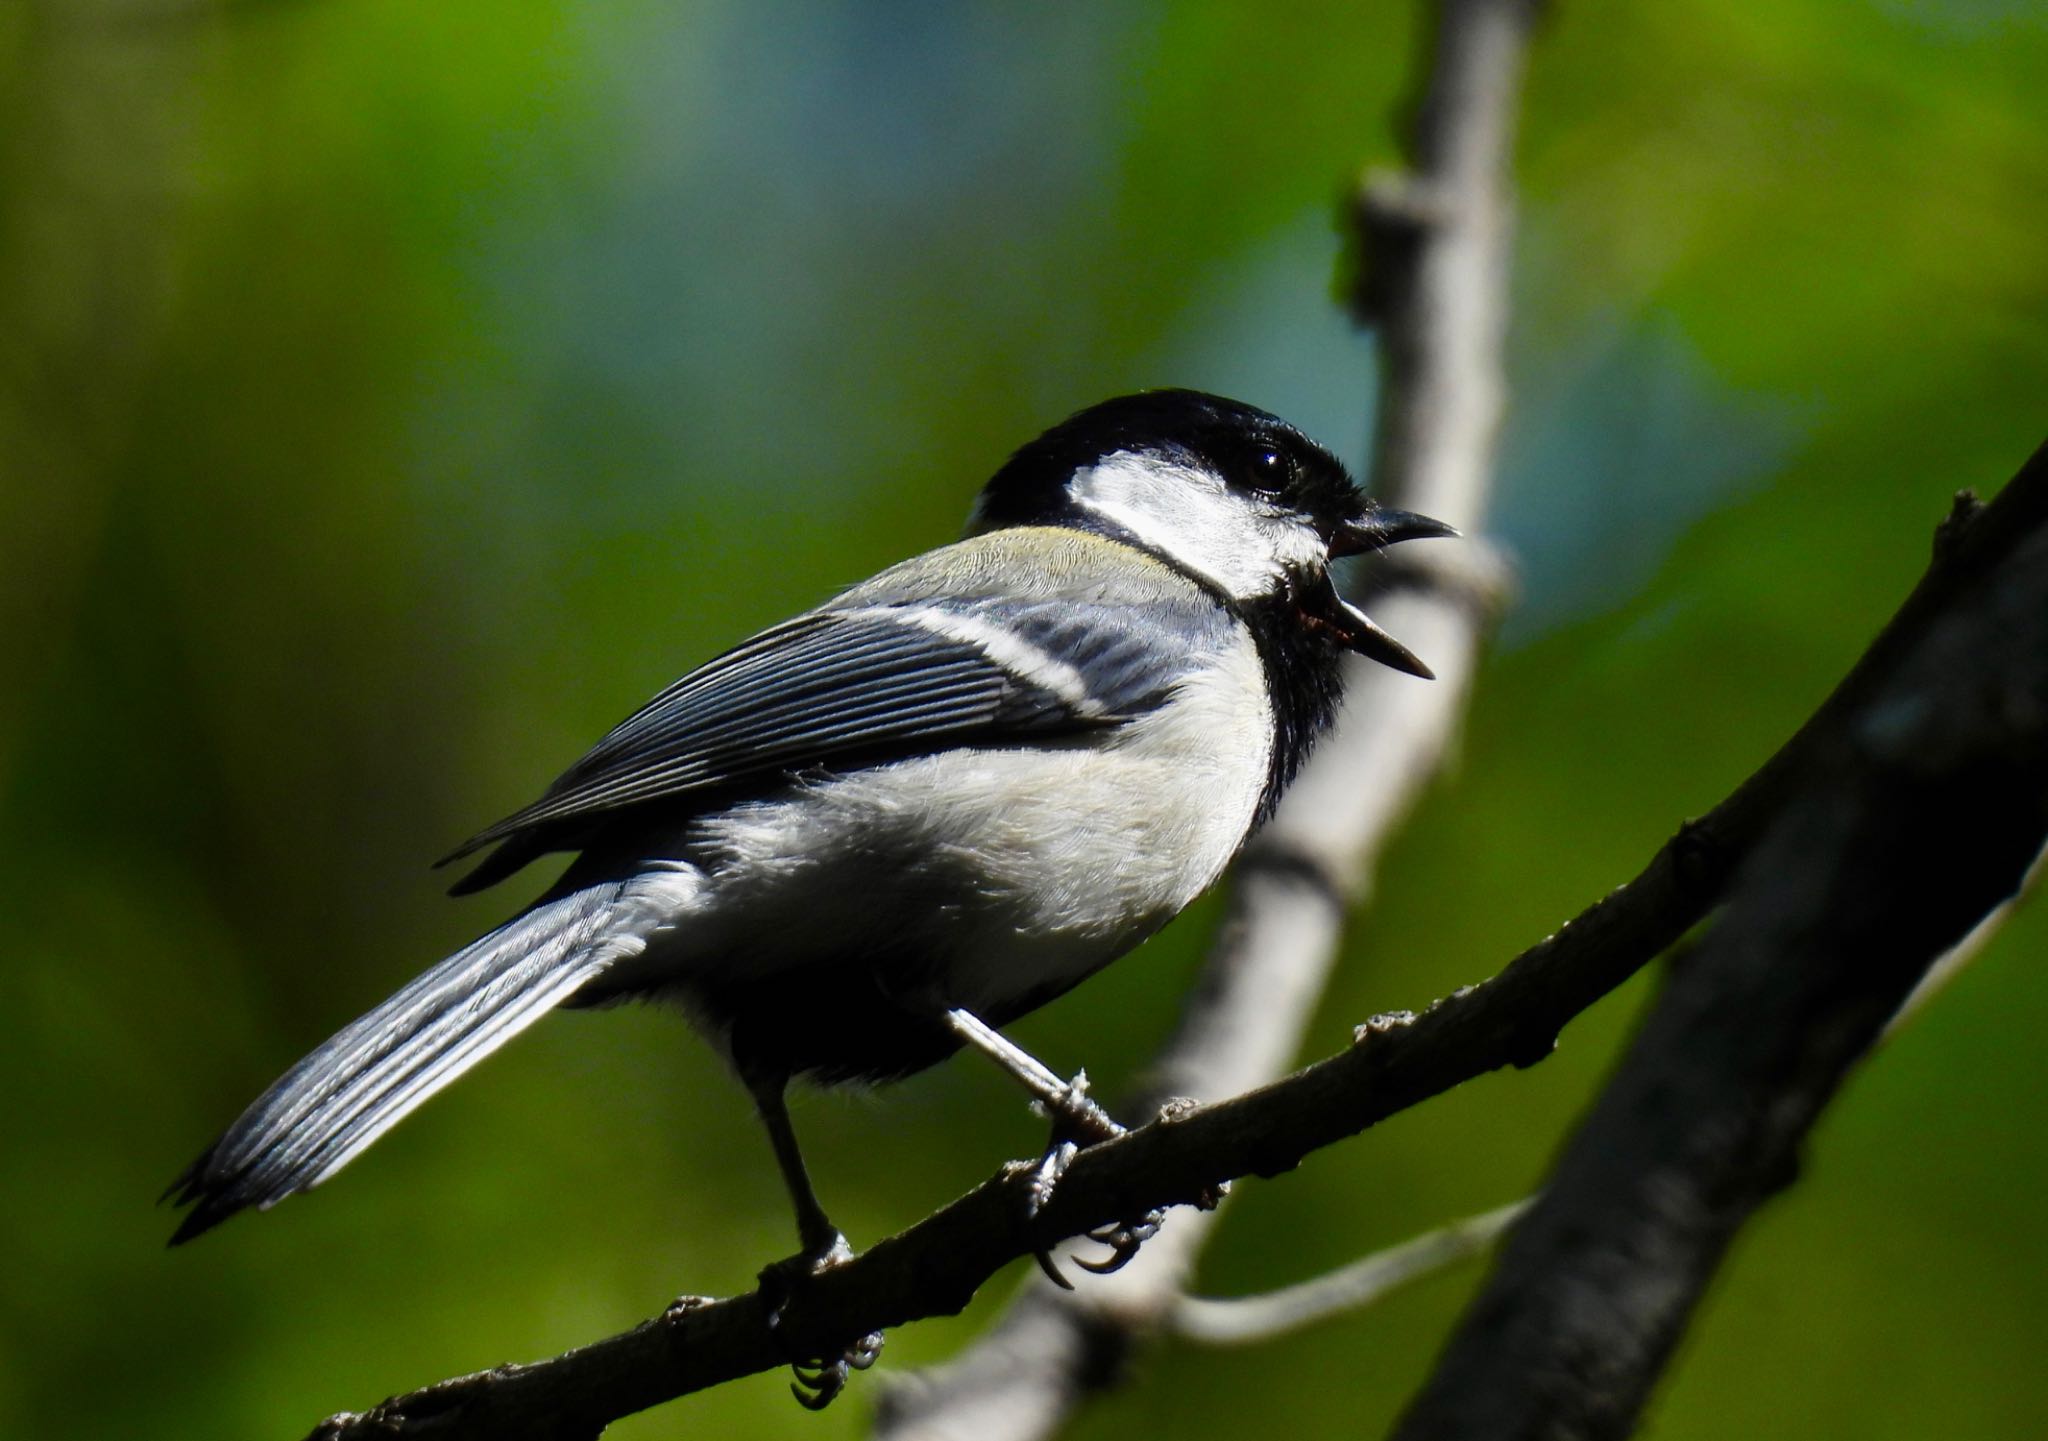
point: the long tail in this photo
(371, 1074)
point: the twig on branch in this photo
(1969, 732)
(1251, 1320)
(1918, 819)
(1437, 273)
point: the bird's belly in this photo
(992, 879)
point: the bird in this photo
(885, 828)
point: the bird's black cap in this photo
(1249, 447)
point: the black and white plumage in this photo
(961, 786)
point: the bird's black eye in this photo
(1271, 472)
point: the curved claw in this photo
(1114, 1262)
(1052, 1269)
(817, 1387)
(818, 1383)
(1123, 1242)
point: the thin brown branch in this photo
(1892, 844)
(935, 1267)
(1254, 1320)
(1438, 271)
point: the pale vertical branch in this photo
(1435, 252)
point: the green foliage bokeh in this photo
(391, 396)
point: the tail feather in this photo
(373, 1072)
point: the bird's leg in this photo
(818, 1380)
(1077, 1121)
(823, 1243)
(1073, 1114)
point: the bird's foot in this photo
(1078, 1121)
(817, 1383)
(1123, 1239)
(818, 1379)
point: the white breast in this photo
(988, 874)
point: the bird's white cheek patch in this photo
(1191, 516)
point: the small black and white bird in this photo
(879, 830)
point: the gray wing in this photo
(839, 689)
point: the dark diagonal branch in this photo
(1955, 679)
(1433, 261)
(1922, 815)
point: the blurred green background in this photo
(393, 395)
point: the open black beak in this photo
(1367, 639)
(1377, 529)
